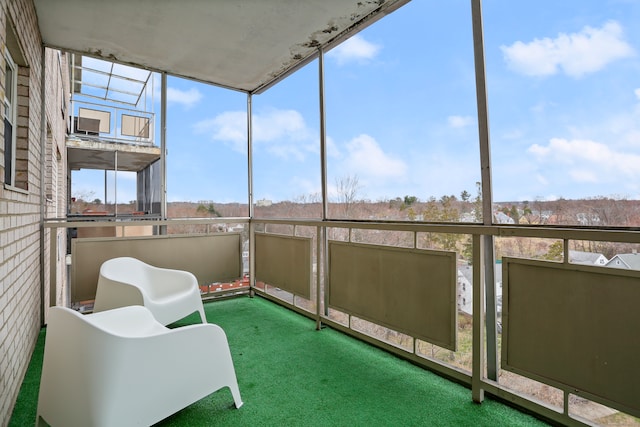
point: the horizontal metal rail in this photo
(475, 380)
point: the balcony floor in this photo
(291, 374)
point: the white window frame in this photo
(10, 111)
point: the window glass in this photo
(9, 80)
(90, 192)
(206, 150)
(10, 84)
(401, 117)
(103, 192)
(564, 104)
(286, 148)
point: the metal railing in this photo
(113, 123)
(477, 360)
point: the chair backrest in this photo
(127, 270)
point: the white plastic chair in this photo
(123, 368)
(169, 294)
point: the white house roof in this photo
(588, 258)
(246, 45)
(630, 261)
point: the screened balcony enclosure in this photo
(531, 302)
(111, 136)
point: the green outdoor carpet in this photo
(292, 375)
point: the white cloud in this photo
(278, 124)
(332, 148)
(284, 133)
(539, 150)
(460, 121)
(230, 127)
(617, 124)
(575, 54)
(187, 98)
(354, 49)
(366, 158)
(632, 138)
(588, 161)
(542, 179)
(583, 175)
(304, 186)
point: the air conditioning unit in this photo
(90, 126)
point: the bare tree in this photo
(347, 188)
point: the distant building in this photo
(588, 219)
(468, 217)
(264, 203)
(627, 261)
(502, 218)
(545, 215)
(465, 288)
(587, 258)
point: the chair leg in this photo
(202, 316)
(235, 392)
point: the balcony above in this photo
(113, 112)
(100, 154)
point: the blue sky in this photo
(564, 111)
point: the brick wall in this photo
(21, 239)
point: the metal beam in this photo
(252, 229)
(163, 150)
(250, 152)
(478, 350)
(487, 196)
(323, 135)
(323, 246)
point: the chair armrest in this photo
(131, 321)
(165, 282)
(199, 342)
(191, 352)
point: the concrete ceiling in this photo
(247, 45)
